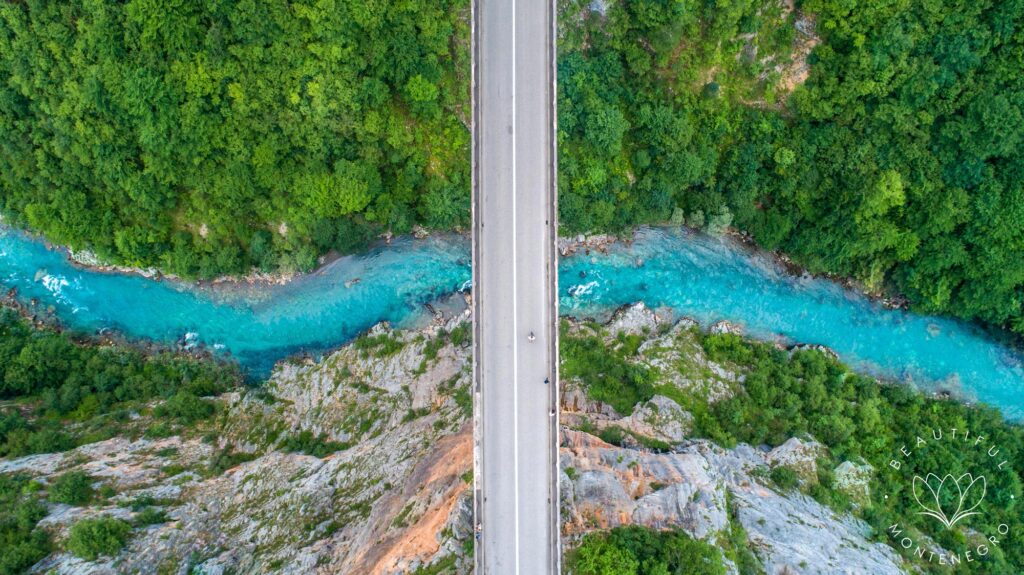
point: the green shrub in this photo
(462, 334)
(150, 516)
(226, 459)
(315, 445)
(641, 551)
(22, 543)
(382, 345)
(784, 477)
(74, 488)
(141, 502)
(185, 407)
(91, 538)
(613, 435)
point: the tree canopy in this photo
(895, 158)
(208, 137)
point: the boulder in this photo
(799, 455)
(633, 319)
(660, 418)
(855, 480)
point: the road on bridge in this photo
(515, 288)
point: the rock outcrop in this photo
(799, 455)
(698, 488)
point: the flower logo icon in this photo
(949, 499)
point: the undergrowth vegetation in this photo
(639, 551)
(49, 380)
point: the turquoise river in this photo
(708, 279)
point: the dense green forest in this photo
(208, 137)
(897, 161)
(879, 140)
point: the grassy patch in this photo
(315, 445)
(606, 374)
(382, 345)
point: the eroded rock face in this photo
(660, 418)
(607, 486)
(604, 486)
(855, 480)
(395, 500)
(790, 531)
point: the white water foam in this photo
(580, 290)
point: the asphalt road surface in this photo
(514, 289)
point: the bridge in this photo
(515, 288)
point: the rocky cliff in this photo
(361, 463)
(391, 496)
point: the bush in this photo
(462, 334)
(185, 407)
(91, 538)
(20, 437)
(784, 477)
(613, 434)
(226, 459)
(150, 516)
(382, 345)
(22, 544)
(74, 488)
(317, 446)
(642, 551)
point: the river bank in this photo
(87, 259)
(567, 246)
(601, 243)
(706, 278)
(256, 324)
(48, 320)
